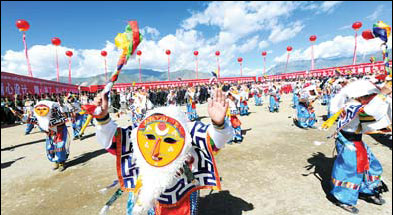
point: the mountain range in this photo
(129, 76)
(321, 63)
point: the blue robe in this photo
(258, 100)
(191, 112)
(295, 100)
(305, 119)
(78, 123)
(347, 181)
(57, 145)
(273, 106)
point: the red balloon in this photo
(289, 48)
(168, 52)
(264, 53)
(56, 41)
(22, 25)
(356, 25)
(104, 53)
(217, 53)
(368, 34)
(196, 53)
(139, 52)
(239, 59)
(313, 38)
(69, 53)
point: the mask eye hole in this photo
(150, 137)
(170, 140)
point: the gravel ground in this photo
(276, 170)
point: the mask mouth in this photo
(156, 158)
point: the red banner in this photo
(12, 84)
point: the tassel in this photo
(331, 120)
(104, 210)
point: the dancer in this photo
(243, 100)
(232, 113)
(47, 115)
(273, 106)
(305, 111)
(191, 104)
(163, 152)
(362, 108)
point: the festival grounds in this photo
(278, 169)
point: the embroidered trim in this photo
(372, 178)
(345, 184)
(104, 120)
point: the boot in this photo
(61, 166)
(55, 166)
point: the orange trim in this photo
(218, 187)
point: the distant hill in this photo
(129, 76)
(303, 65)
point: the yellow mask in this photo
(160, 139)
(41, 110)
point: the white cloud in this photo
(374, 16)
(249, 45)
(280, 34)
(263, 44)
(329, 6)
(340, 46)
(153, 32)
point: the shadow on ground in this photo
(11, 148)
(9, 163)
(244, 132)
(322, 171)
(85, 157)
(383, 139)
(223, 203)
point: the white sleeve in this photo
(377, 107)
(105, 133)
(221, 137)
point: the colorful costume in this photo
(273, 105)
(356, 170)
(48, 116)
(232, 117)
(165, 160)
(295, 98)
(305, 112)
(243, 101)
(191, 107)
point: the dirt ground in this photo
(276, 170)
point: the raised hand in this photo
(217, 107)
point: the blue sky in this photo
(235, 28)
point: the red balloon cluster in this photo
(240, 60)
(104, 53)
(313, 38)
(289, 48)
(22, 25)
(139, 52)
(217, 53)
(168, 52)
(356, 25)
(264, 53)
(368, 34)
(196, 53)
(56, 41)
(69, 53)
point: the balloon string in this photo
(218, 68)
(169, 78)
(312, 57)
(106, 77)
(354, 51)
(69, 71)
(27, 56)
(264, 66)
(286, 65)
(140, 71)
(57, 66)
(241, 71)
(196, 67)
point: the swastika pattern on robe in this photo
(348, 114)
(129, 170)
(203, 168)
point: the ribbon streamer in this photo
(27, 56)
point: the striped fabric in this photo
(372, 178)
(345, 184)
